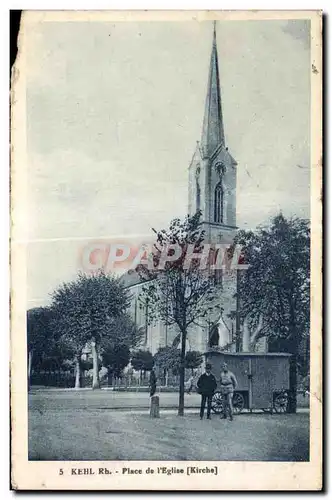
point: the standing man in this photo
(228, 383)
(206, 385)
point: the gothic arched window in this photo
(218, 203)
(214, 337)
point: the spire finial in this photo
(213, 128)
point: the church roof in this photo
(131, 278)
(216, 151)
(197, 156)
(213, 127)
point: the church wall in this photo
(228, 299)
(160, 335)
(197, 177)
(192, 189)
(231, 196)
(197, 338)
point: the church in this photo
(211, 189)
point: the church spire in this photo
(213, 128)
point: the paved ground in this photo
(80, 425)
(103, 399)
(109, 400)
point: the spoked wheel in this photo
(238, 402)
(217, 403)
(280, 402)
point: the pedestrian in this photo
(228, 383)
(206, 385)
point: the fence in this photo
(62, 380)
(127, 382)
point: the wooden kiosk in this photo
(263, 380)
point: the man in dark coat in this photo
(206, 385)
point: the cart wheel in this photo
(238, 402)
(280, 402)
(217, 403)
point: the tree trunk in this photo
(109, 377)
(253, 338)
(182, 373)
(166, 379)
(246, 336)
(249, 340)
(95, 369)
(29, 368)
(78, 373)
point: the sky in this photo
(114, 111)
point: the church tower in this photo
(212, 172)
(212, 189)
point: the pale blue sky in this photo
(115, 109)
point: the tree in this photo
(123, 330)
(39, 335)
(179, 292)
(274, 292)
(168, 359)
(74, 345)
(193, 360)
(115, 358)
(85, 310)
(122, 335)
(55, 357)
(142, 361)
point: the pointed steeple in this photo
(213, 128)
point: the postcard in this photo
(166, 251)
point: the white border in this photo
(82, 5)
